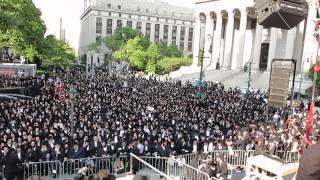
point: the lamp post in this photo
(72, 94)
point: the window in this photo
(182, 34)
(148, 30)
(166, 20)
(190, 38)
(119, 23)
(98, 60)
(109, 26)
(157, 33)
(174, 35)
(158, 19)
(175, 21)
(148, 18)
(129, 24)
(165, 33)
(139, 25)
(147, 10)
(99, 13)
(110, 14)
(119, 14)
(119, 6)
(109, 5)
(129, 16)
(98, 25)
(183, 22)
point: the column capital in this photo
(198, 16)
(245, 11)
(231, 11)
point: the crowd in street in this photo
(162, 117)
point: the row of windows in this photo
(148, 32)
(139, 17)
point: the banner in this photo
(310, 122)
(8, 71)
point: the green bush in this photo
(40, 72)
(167, 65)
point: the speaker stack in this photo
(284, 14)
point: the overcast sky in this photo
(70, 11)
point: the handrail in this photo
(150, 166)
(197, 170)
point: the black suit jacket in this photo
(11, 163)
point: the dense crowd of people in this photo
(162, 117)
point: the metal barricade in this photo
(182, 170)
(160, 163)
(143, 165)
(46, 170)
(93, 165)
(288, 156)
(188, 157)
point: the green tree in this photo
(56, 52)
(137, 43)
(169, 51)
(21, 28)
(311, 75)
(153, 56)
(120, 37)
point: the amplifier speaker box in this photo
(284, 14)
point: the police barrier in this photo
(70, 168)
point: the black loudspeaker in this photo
(284, 14)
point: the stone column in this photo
(196, 44)
(161, 31)
(272, 46)
(143, 27)
(152, 32)
(291, 36)
(186, 39)
(229, 41)
(257, 47)
(178, 36)
(309, 38)
(298, 49)
(170, 35)
(217, 39)
(208, 38)
(242, 35)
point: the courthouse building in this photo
(157, 20)
(227, 31)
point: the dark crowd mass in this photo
(162, 118)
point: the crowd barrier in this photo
(182, 164)
(234, 158)
(175, 168)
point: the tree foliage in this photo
(169, 51)
(120, 37)
(22, 34)
(21, 28)
(56, 52)
(311, 76)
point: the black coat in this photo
(11, 163)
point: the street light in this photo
(72, 94)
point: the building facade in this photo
(228, 33)
(157, 20)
